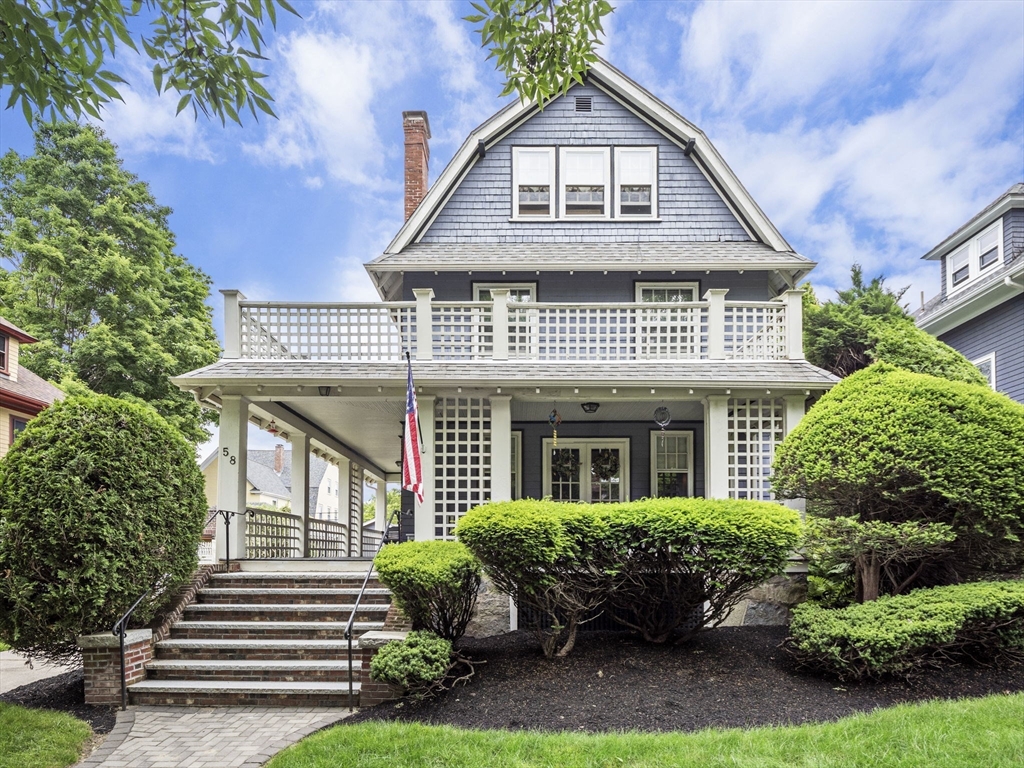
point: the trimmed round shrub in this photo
(890, 445)
(100, 499)
(417, 663)
(906, 346)
(896, 635)
(435, 583)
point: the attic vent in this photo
(584, 104)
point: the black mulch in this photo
(65, 693)
(727, 677)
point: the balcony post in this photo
(300, 487)
(380, 518)
(501, 447)
(424, 323)
(232, 479)
(499, 324)
(232, 324)
(794, 323)
(716, 322)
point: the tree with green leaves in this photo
(543, 47)
(54, 54)
(90, 270)
(394, 497)
(866, 324)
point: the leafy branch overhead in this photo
(542, 46)
(54, 54)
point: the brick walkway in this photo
(223, 737)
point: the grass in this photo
(4, 646)
(33, 738)
(986, 733)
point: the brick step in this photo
(293, 595)
(273, 580)
(224, 693)
(282, 612)
(269, 630)
(263, 649)
(254, 670)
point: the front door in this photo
(586, 470)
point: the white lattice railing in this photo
(713, 329)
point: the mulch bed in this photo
(65, 693)
(727, 677)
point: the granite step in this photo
(275, 580)
(205, 693)
(253, 671)
(284, 612)
(262, 649)
(292, 595)
(275, 630)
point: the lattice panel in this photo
(672, 332)
(271, 534)
(326, 538)
(462, 331)
(755, 331)
(755, 427)
(327, 331)
(462, 459)
(355, 509)
(585, 333)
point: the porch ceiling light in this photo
(324, 391)
(590, 407)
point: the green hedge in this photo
(899, 634)
(663, 562)
(435, 583)
(416, 664)
(99, 500)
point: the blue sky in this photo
(866, 131)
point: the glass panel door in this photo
(586, 470)
(565, 474)
(605, 474)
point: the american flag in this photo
(412, 469)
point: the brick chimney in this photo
(279, 458)
(417, 158)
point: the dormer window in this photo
(974, 257)
(584, 183)
(636, 181)
(533, 172)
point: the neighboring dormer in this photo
(22, 393)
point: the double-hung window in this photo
(960, 266)
(974, 257)
(533, 181)
(988, 249)
(585, 173)
(636, 182)
(3, 353)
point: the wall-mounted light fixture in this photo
(590, 407)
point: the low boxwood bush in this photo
(417, 664)
(896, 635)
(100, 499)
(435, 583)
(666, 564)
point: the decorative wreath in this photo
(604, 463)
(565, 462)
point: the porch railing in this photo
(276, 534)
(712, 329)
(327, 538)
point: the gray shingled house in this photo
(979, 310)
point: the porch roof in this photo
(701, 374)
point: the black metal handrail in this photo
(120, 631)
(385, 539)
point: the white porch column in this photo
(499, 325)
(232, 324)
(423, 517)
(342, 499)
(424, 323)
(380, 517)
(717, 459)
(796, 406)
(300, 487)
(232, 483)
(501, 447)
(716, 322)
(794, 323)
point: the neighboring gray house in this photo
(594, 270)
(980, 308)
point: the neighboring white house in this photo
(594, 270)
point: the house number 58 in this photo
(232, 459)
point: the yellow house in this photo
(22, 393)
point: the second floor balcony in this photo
(712, 329)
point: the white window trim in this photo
(515, 184)
(974, 258)
(562, 152)
(639, 287)
(655, 437)
(584, 444)
(517, 462)
(990, 358)
(478, 287)
(654, 187)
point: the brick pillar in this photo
(101, 658)
(417, 158)
(372, 692)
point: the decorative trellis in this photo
(755, 427)
(462, 459)
(355, 509)
(755, 331)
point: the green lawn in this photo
(32, 738)
(4, 646)
(987, 733)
